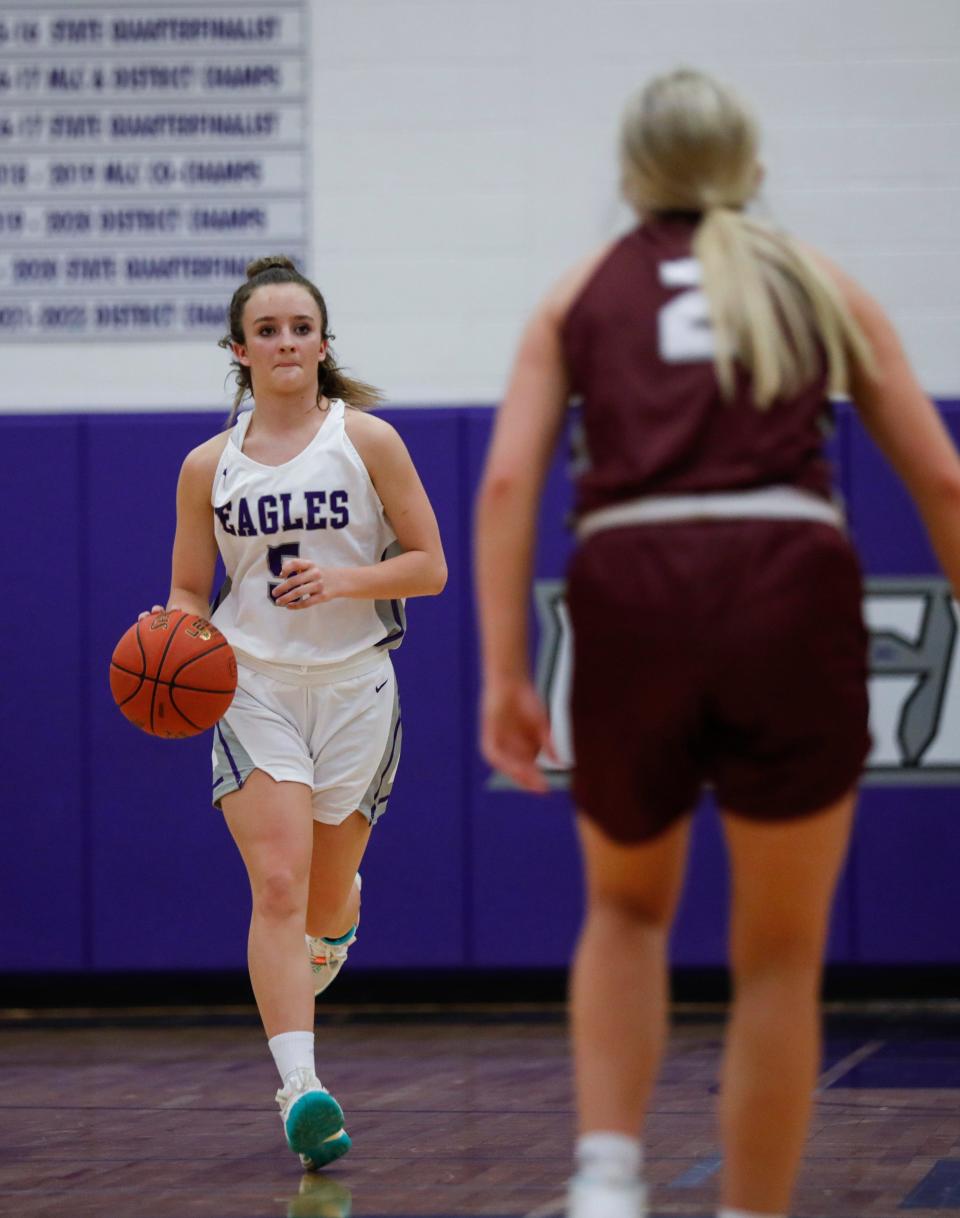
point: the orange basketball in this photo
(173, 674)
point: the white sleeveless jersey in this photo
(322, 506)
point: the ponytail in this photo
(688, 143)
(774, 310)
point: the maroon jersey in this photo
(638, 349)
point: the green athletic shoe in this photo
(328, 956)
(312, 1120)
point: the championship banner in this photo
(145, 157)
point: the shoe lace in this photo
(297, 1083)
(323, 953)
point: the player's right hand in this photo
(147, 612)
(514, 729)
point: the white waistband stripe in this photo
(765, 503)
(315, 674)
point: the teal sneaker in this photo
(312, 1120)
(328, 956)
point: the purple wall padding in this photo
(44, 765)
(415, 870)
(111, 858)
(167, 887)
(906, 848)
(907, 839)
(525, 887)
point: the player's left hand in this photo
(304, 584)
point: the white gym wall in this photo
(463, 154)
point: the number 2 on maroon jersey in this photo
(684, 334)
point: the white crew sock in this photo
(292, 1051)
(614, 1158)
(724, 1213)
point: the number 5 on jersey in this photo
(276, 557)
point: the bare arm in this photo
(194, 544)
(525, 436)
(908, 429)
(514, 722)
(421, 570)
(528, 425)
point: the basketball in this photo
(173, 674)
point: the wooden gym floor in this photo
(452, 1114)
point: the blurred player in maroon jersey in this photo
(715, 600)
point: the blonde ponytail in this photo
(774, 310)
(689, 144)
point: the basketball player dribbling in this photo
(715, 601)
(324, 529)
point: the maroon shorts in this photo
(730, 653)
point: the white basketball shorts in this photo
(341, 738)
